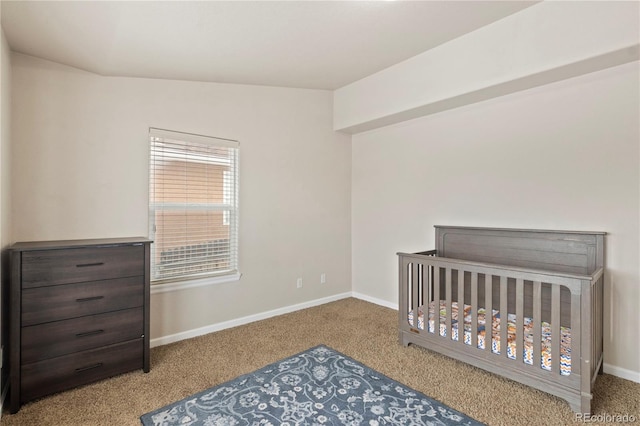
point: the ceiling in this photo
(305, 44)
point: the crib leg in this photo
(584, 406)
(601, 369)
(401, 339)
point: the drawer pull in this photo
(89, 333)
(84, 265)
(89, 367)
(87, 299)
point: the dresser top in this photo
(61, 244)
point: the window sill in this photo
(200, 282)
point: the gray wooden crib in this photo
(550, 284)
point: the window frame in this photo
(229, 207)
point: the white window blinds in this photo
(193, 206)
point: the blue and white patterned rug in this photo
(317, 387)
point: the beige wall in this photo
(81, 164)
(543, 43)
(5, 181)
(561, 156)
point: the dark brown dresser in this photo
(79, 312)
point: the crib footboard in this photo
(539, 328)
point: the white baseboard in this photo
(374, 300)
(164, 340)
(623, 373)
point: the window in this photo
(193, 206)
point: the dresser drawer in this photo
(58, 338)
(64, 266)
(65, 372)
(60, 302)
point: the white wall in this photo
(561, 156)
(80, 166)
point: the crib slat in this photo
(420, 279)
(415, 290)
(555, 329)
(461, 306)
(519, 318)
(594, 331)
(537, 323)
(474, 309)
(504, 316)
(449, 317)
(488, 312)
(403, 296)
(576, 354)
(436, 298)
(428, 287)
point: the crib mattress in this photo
(545, 358)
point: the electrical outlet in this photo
(299, 283)
(323, 278)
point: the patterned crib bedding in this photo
(545, 361)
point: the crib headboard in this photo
(571, 252)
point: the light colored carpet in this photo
(361, 330)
